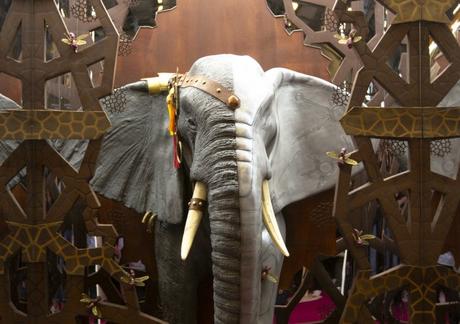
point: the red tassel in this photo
(176, 157)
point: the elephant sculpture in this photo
(252, 143)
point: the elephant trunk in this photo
(225, 242)
(215, 165)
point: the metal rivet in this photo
(219, 90)
(233, 101)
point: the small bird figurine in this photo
(92, 303)
(360, 238)
(267, 275)
(131, 280)
(73, 41)
(342, 157)
(348, 40)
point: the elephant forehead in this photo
(251, 87)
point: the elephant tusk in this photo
(270, 219)
(196, 206)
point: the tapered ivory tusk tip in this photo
(191, 227)
(270, 220)
(185, 248)
(184, 253)
(279, 242)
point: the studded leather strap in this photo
(197, 204)
(211, 87)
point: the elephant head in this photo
(249, 156)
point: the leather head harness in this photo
(173, 83)
(211, 87)
(166, 81)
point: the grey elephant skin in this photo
(281, 131)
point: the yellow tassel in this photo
(172, 112)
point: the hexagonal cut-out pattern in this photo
(341, 94)
(422, 298)
(404, 122)
(125, 46)
(116, 102)
(83, 11)
(395, 147)
(48, 124)
(441, 147)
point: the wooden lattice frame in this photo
(33, 230)
(421, 238)
(351, 62)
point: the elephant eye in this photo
(191, 124)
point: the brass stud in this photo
(219, 90)
(233, 101)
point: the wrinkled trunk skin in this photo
(215, 164)
(225, 242)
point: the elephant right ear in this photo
(307, 127)
(135, 164)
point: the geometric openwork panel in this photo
(36, 227)
(346, 62)
(430, 200)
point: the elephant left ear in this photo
(307, 127)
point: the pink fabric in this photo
(400, 312)
(93, 320)
(312, 311)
